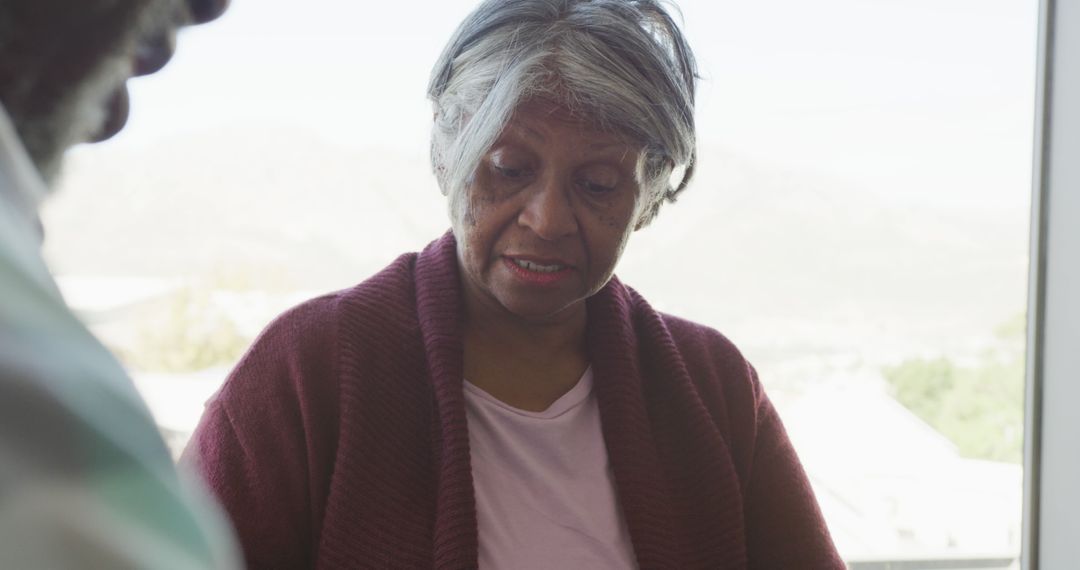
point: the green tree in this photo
(187, 333)
(978, 407)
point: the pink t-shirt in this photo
(545, 496)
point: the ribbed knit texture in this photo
(340, 440)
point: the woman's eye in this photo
(510, 172)
(596, 188)
(598, 180)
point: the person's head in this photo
(558, 127)
(63, 64)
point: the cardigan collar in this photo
(619, 323)
(439, 310)
(612, 344)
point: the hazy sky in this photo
(927, 102)
(918, 99)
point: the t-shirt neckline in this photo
(568, 401)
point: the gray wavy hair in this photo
(624, 65)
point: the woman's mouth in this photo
(536, 271)
(537, 266)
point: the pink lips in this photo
(537, 277)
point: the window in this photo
(859, 227)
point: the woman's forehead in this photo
(542, 120)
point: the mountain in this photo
(788, 262)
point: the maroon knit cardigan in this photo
(340, 439)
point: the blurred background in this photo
(858, 226)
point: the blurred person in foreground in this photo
(85, 479)
(500, 399)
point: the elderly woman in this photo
(500, 399)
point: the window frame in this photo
(1052, 468)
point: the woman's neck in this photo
(527, 364)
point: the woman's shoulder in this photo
(376, 302)
(725, 380)
(307, 323)
(299, 350)
(715, 365)
(704, 347)
(289, 356)
(698, 339)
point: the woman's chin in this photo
(543, 311)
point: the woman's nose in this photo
(549, 212)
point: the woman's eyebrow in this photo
(525, 131)
(618, 150)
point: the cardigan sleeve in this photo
(784, 525)
(263, 445)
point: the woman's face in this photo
(547, 216)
